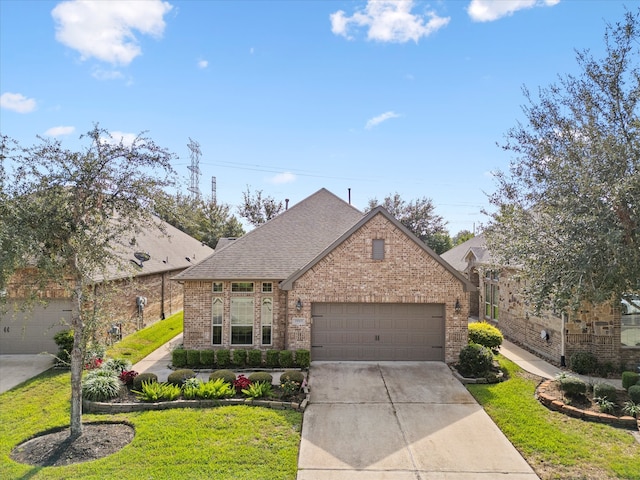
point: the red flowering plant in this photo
(241, 383)
(93, 363)
(127, 377)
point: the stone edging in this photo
(89, 406)
(557, 405)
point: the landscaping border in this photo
(558, 405)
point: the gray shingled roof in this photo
(283, 245)
(456, 257)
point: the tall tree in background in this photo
(568, 210)
(419, 217)
(462, 236)
(258, 209)
(73, 208)
(204, 220)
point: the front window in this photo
(217, 287)
(491, 295)
(242, 321)
(266, 320)
(216, 321)
(242, 287)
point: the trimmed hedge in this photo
(146, 377)
(260, 377)
(239, 357)
(303, 358)
(629, 379)
(605, 390)
(227, 375)
(179, 376)
(572, 386)
(179, 357)
(634, 393)
(207, 358)
(193, 358)
(286, 358)
(223, 358)
(273, 358)
(475, 360)
(254, 358)
(583, 362)
(292, 375)
(485, 334)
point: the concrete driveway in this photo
(400, 420)
(15, 369)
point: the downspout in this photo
(162, 315)
(287, 320)
(563, 362)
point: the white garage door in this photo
(374, 331)
(32, 332)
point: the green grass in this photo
(238, 442)
(556, 446)
(138, 345)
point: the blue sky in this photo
(291, 96)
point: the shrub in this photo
(179, 376)
(117, 365)
(254, 358)
(604, 369)
(292, 376)
(303, 358)
(239, 357)
(179, 357)
(214, 389)
(260, 377)
(227, 375)
(64, 341)
(286, 358)
(583, 362)
(258, 390)
(605, 405)
(191, 382)
(155, 392)
(485, 334)
(605, 390)
(572, 386)
(223, 358)
(99, 388)
(631, 409)
(193, 358)
(207, 358)
(629, 379)
(634, 393)
(273, 358)
(147, 377)
(475, 360)
(289, 388)
(127, 377)
(241, 383)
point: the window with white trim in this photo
(266, 319)
(267, 287)
(242, 314)
(242, 287)
(491, 295)
(217, 312)
(217, 287)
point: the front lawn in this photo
(237, 442)
(556, 446)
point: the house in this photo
(604, 330)
(325, 277)
(136, 297)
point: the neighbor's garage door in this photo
(32, 332)
(372, 331)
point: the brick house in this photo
(147, 278)
(613, 337)
(325, 277)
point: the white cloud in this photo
(489, 10)
(105, 29)
(58, 131)
(388, 21)
(203, 64)
(372, 122)
(117, 137)
(17, 102)
(100, 74)
(285, 177)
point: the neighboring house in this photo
(611, 333)
(325, 277)
(134, 298)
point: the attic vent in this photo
(142, 256)
(378, 249)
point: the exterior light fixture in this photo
(457, 306)
(299, 305)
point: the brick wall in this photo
(406, 275)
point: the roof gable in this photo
(282, 245)
(287, 284)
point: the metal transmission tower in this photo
(194, 186)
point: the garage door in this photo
(33, 332)
(372, 331)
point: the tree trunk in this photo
(77, 357)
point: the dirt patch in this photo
(57, 448)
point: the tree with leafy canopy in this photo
(258, 209)
(567, 213)
(73, 209)
(204, 220)
(419, 217)
(462, 236)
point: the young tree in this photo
(73, 208)
(258, 210)
(419, 217)
(462, 236)
(568, 210)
